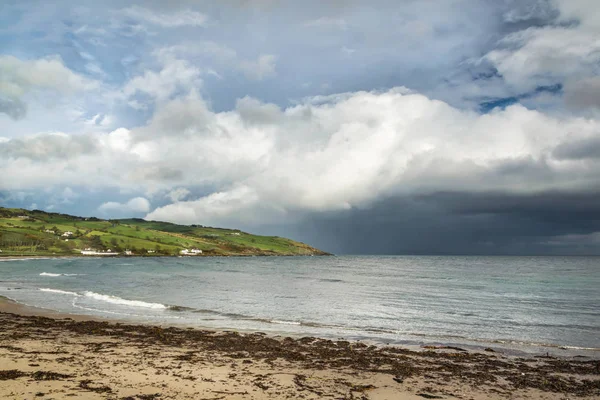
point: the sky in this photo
(360, 127)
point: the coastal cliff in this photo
(38, 233)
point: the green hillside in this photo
(38, 233)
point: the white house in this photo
(192, 252)
(68, 233)
(128, 252)
(92, 252)
(49, 231)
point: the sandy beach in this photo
(48, 356)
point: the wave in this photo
(125, 302)
(538, 344)
(54, 275)
(180, 308)
(115, 300)
(59, 292)
(281, 322)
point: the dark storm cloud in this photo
(576, 206)
(461, 223)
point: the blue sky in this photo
(275, 116)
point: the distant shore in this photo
(42, 353)
(6, 257)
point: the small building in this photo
(49, 231)
(192, 252)
(93, 252)
(151, 251)
(89, 252)
(68, 233)
(128, 253)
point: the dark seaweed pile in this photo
(439, 366)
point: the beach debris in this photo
(11, 374)
(431, 347)
(429, 396)
(300, 381)
(192, 347)
(49, 376)
(88, 384)
(362, 388)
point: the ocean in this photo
(523, 305)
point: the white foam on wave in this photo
(118, 300)
(58, 291)
(277, 321)
(54, 275)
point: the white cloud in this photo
(266, 163)
(135, 205)
(215, 55)
(175, 75)
(167, 20)
(20, 77)
(178, 194)
(540, 56)
(553, 53)
(261, 68)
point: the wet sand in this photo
(46, 356)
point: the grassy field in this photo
(37, 233)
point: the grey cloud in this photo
(180, 117)
(583, 93)
(14, 108)
(261, 68)
(163, 173)
(573, 207)
(459, 223)
(49, 146)
(530, 11)
(20, 77)
(582, 149)
(255, 112)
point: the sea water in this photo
(520, 304)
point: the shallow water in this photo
(530, 304)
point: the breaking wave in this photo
(59, 291)
(125, 302)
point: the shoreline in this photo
(508, 347)
(86, 357)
